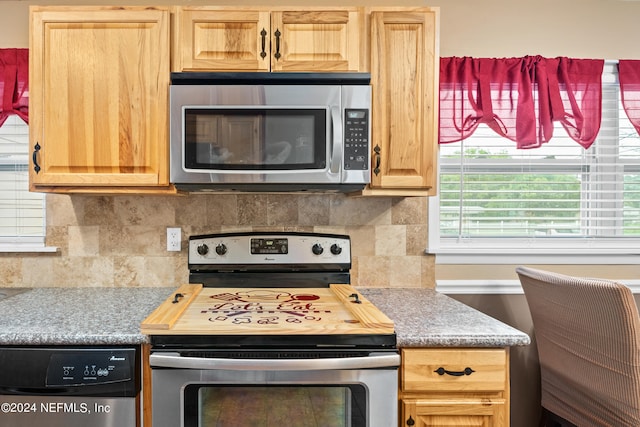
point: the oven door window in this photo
(343, 405)
(255, 138)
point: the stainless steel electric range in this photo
(269, 332)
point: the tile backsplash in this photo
(121, 240)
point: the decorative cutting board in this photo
(195, 310)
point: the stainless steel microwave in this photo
(270, 131)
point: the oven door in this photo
(302, 392)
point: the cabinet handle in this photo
(278, 34)
(263, 34)
(36, 149)
(442, 371)
(376, 169)
(410, 421)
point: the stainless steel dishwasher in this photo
(69, 386)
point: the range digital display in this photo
(264, 246)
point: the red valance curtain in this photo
(520, 98)
(14, 84)
(629, 75)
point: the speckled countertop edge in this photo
(112, 316)
(426, 318)
(78, 316)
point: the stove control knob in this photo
(317, 249)
(336, 249)
(203, 249)
(221, 249)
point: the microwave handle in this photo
(336, 148)
(373, 361)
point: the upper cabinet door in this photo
(223, 40)
(327, 40)
(404, 80)
(260, 39)
(99, 80)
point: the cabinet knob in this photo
(410, 421)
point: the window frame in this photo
(622, 250)
(16, 161)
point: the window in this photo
(22, 226)
(556, 199)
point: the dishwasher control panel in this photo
(69, 368)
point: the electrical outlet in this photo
(173, 239)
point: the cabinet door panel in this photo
(454, 413)
(315, 40)
(99, 82)
(404, 82)
(224, 40)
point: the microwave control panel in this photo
(356, 139)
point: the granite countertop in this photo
(78, 316)
(109, 316)
(426, 318)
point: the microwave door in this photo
(264, 140)
(293, 139)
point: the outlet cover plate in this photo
(174, 236)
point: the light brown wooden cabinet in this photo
(461, 387)
(274, 39)
(99, 78)
(99, 81)
(404, 61)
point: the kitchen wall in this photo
(121, 240)
(578, 28)
(393, 237)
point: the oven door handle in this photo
(375, 360)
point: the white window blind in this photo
(21, 212)
(560, 195)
